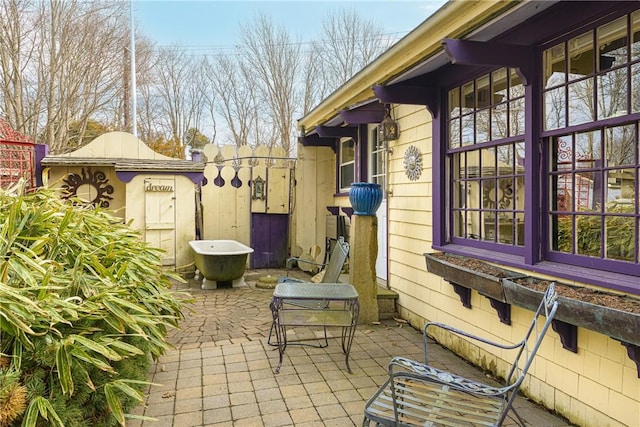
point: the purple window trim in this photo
(488, 245)
(340, 189)
(440, 212)
(618, 275)
(361, 166)
(595, 125)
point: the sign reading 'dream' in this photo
(158, 188)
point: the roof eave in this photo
(422, 43)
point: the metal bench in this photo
(417, 394)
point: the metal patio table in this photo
(315, 304)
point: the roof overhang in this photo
(421, 52)
(127, 168)
(344, 124)
(126, 164)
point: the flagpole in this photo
(134, 123)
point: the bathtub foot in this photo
(239, 283)
(209, 284)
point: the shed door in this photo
(160, 220)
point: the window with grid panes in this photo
(591, 101)
(486, 157)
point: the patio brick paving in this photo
(220, 372)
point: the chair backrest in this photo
(533, 338)
(336, 261)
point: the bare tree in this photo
(236, 93)
(62, 64)
(179, 87)
(314, 84)
(348, 44)
(17, 28)
(273, 59)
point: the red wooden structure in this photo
(17, 157)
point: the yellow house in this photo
(518, 121)
(155, 193)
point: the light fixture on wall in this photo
(389, 130)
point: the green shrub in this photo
(84, 307)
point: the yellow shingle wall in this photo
(597, 386)
(409, 213)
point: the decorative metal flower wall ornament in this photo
(412, 163)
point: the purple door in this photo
(269, 237)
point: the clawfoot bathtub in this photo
(220, 261)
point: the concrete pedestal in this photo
(362, 265)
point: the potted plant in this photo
(365, 198)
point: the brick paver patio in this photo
(221, 370)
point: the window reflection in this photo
(581, 102)
(598, 84)
(617, 229)
(467, 131)
(555, 69)
(588, 149)
(589, 234)
(454, 102)
(482, 126)
(489, 197)
(612, 44)
(635, 35)
(581, 56)
(516, 117)
(612, 94)
(635, 87)
(620, 190)
(499, 121)
(454, 133)
(555, 104)
(347, 163)
(593, 193)
(621, 145)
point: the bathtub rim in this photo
(243, 249)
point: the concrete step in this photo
(386, 303)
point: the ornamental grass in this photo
(85, 307)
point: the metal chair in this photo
(417, 394)
(332, 270)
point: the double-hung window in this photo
(378, 157)
(347, 164)
(591, 102)
(586, 127)
(486, 157)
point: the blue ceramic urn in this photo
(365, 198)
